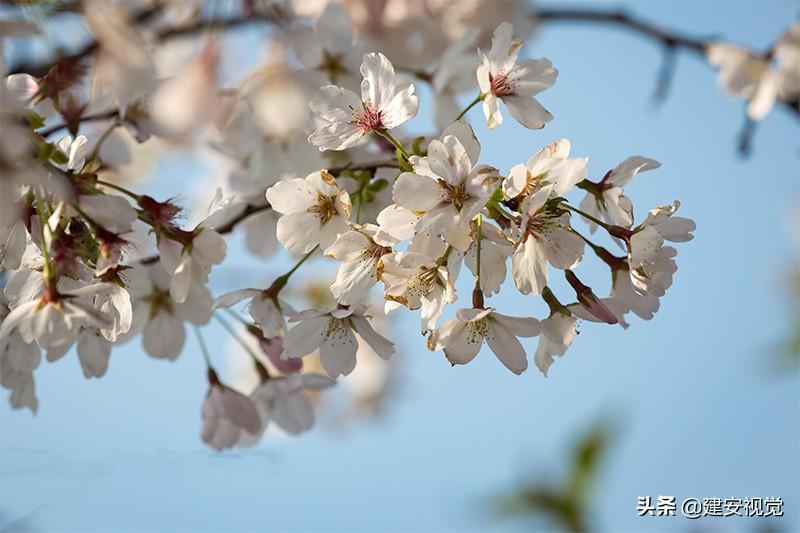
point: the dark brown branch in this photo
(228, 227)
(252, 209)
(624, 20)
(99, 117)
(669, 39)
(355, 167)
(39, 69)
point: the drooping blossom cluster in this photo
(323, 165)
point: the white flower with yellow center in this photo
(462, 336)
(550, 166)
(314, 210)
(545, 238)
(447, 188)
(361, 264)
(333, 333)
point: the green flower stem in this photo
(472, 104)
(477, 292)
(280, 281)
(587, 216)
(445, 256)
(615, 231)
(553, 303)
(236, 316)
(106, 134)
(388, 136)
(608, 258)
(225, 324)
(47, 267)
(203, 348)
(123, 190)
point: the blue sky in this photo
(702, 409)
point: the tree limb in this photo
(251, 209)
(670, 40)
(39, 69)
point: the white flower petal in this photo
(528, 111)
(380, 345)
(163, 336)
(506, 347)
(378, 86)
(294, 413)
(401, 108)
(338, 350)
(305, 337)
(93, 351)
(529, 266)
(299, 232)
(415, 192)
(291, 196)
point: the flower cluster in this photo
(762, 79)
(323, 166)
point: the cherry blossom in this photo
(652, 281)
(158, 318)
(453, 75)
(347, 118)
(418, 281)
(329, 47)
(550, 166)
(190, 262)
(606, 199)
(314, 210)
(18, 360)
(53, 319)
(93, 352)
(495, 251)
(361, 262)
(124, 65)
(75, 150)
(343, 181)
(461, 337)
(649, 236)
(113, 213)
(189, 100)
(750, 77)
(501, 76)
(283, 400)
(557, 333)
(545, 238)
(447, 185)
(266, 310)
(227, 415)
(13, 241)
(333, 332)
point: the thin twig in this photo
(252, 209)
(624, 20)
(39, 69)
(99, 117)
(228, 227)
(668, 38)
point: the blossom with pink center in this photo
(501, 76)
(345, 118)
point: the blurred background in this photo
(703, 401)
